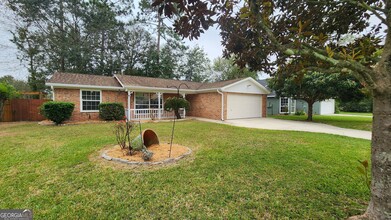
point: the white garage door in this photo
(243, 106)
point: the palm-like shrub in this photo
(176, 103)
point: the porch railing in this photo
(142, 114)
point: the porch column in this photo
(184, 109)
(159, 95)
(128, 111)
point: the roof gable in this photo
(247, 85)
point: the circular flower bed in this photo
(160, 154)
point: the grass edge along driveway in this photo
(352, 122)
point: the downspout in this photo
(222, 103)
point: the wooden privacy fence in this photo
(23, 110)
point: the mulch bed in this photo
(160, 154)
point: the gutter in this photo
(222, 103)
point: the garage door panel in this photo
(243, 106)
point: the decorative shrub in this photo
(58, 112)
(175, 103)
(111, 111)
(122, 131)
(300, 112)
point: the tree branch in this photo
(366, 73)
(374, 10)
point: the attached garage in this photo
(245, 99)
(243, 106)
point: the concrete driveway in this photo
(277, 124)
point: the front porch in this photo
(149, 106)
(152, 114)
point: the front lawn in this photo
(367, 114)
(353, 122)
(234, 173)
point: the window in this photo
(284, 105)
(148, 100)
(287, 105)
(90, 100)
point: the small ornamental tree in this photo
(7, 92)
(175, 103)
(111, 111)
(58, 112)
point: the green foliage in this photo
(175, 103)
(7, 92)
(337, 106)
(313, 86)
(123, 130)
(111, 111)
(195, 66)
(226, 69)
(76, 36)
(323, 36)
(364, 171)
(364, 105)
(300, 112)
(58, 112)
(352, 122)
(19, 85)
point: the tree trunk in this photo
(380, 204)
(178, 116)
(310, 110)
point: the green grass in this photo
(356, 113)
(353, 122)
(234, 173)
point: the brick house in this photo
(144, 97)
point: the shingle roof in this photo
(217, 85)
(129, 81)
(84, 79)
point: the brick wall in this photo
(205, 105)
(73, 95)
(264, 106)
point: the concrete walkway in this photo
(277, 124)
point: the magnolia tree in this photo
(264, 35)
